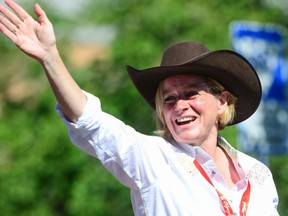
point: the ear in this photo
(223, 102)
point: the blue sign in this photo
(263, 45)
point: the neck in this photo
(211, 148)
(222, 160)
(226, 166)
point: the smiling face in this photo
(190, 111)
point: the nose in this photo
(181, 106)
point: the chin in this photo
(183, 141)
(188, 138)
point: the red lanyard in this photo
(226, 206)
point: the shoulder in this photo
(255, 170)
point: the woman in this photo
(187, 169)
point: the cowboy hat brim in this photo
(229, 68)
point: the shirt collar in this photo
(203, 157)
(188, 149)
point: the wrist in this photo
(51, 56)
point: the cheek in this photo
(167, 115)
(209, 103)
(201, 106)
(207, 108)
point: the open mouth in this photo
(185, 120)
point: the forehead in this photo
(183, 81)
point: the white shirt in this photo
(161, 175)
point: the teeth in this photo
(185, 119)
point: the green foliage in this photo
(40, 172)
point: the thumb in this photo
(40, 13)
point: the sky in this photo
(68, 8)
(65, 7)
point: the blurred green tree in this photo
(40, 173)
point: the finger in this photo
(11, 27)
(21, 13)
(40, 13)
(10, 35)
(11, 16)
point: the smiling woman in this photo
(166, 174)
(188, 99)
(209, 86)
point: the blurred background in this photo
(43, 174)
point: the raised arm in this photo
(36, 38)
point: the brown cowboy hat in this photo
(229, 68)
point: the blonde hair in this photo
(214, 88)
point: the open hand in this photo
(35, 38)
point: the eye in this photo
(170, 99)
(191, 94)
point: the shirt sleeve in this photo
(85, 124)
(126, 153)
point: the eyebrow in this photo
(194, 85)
